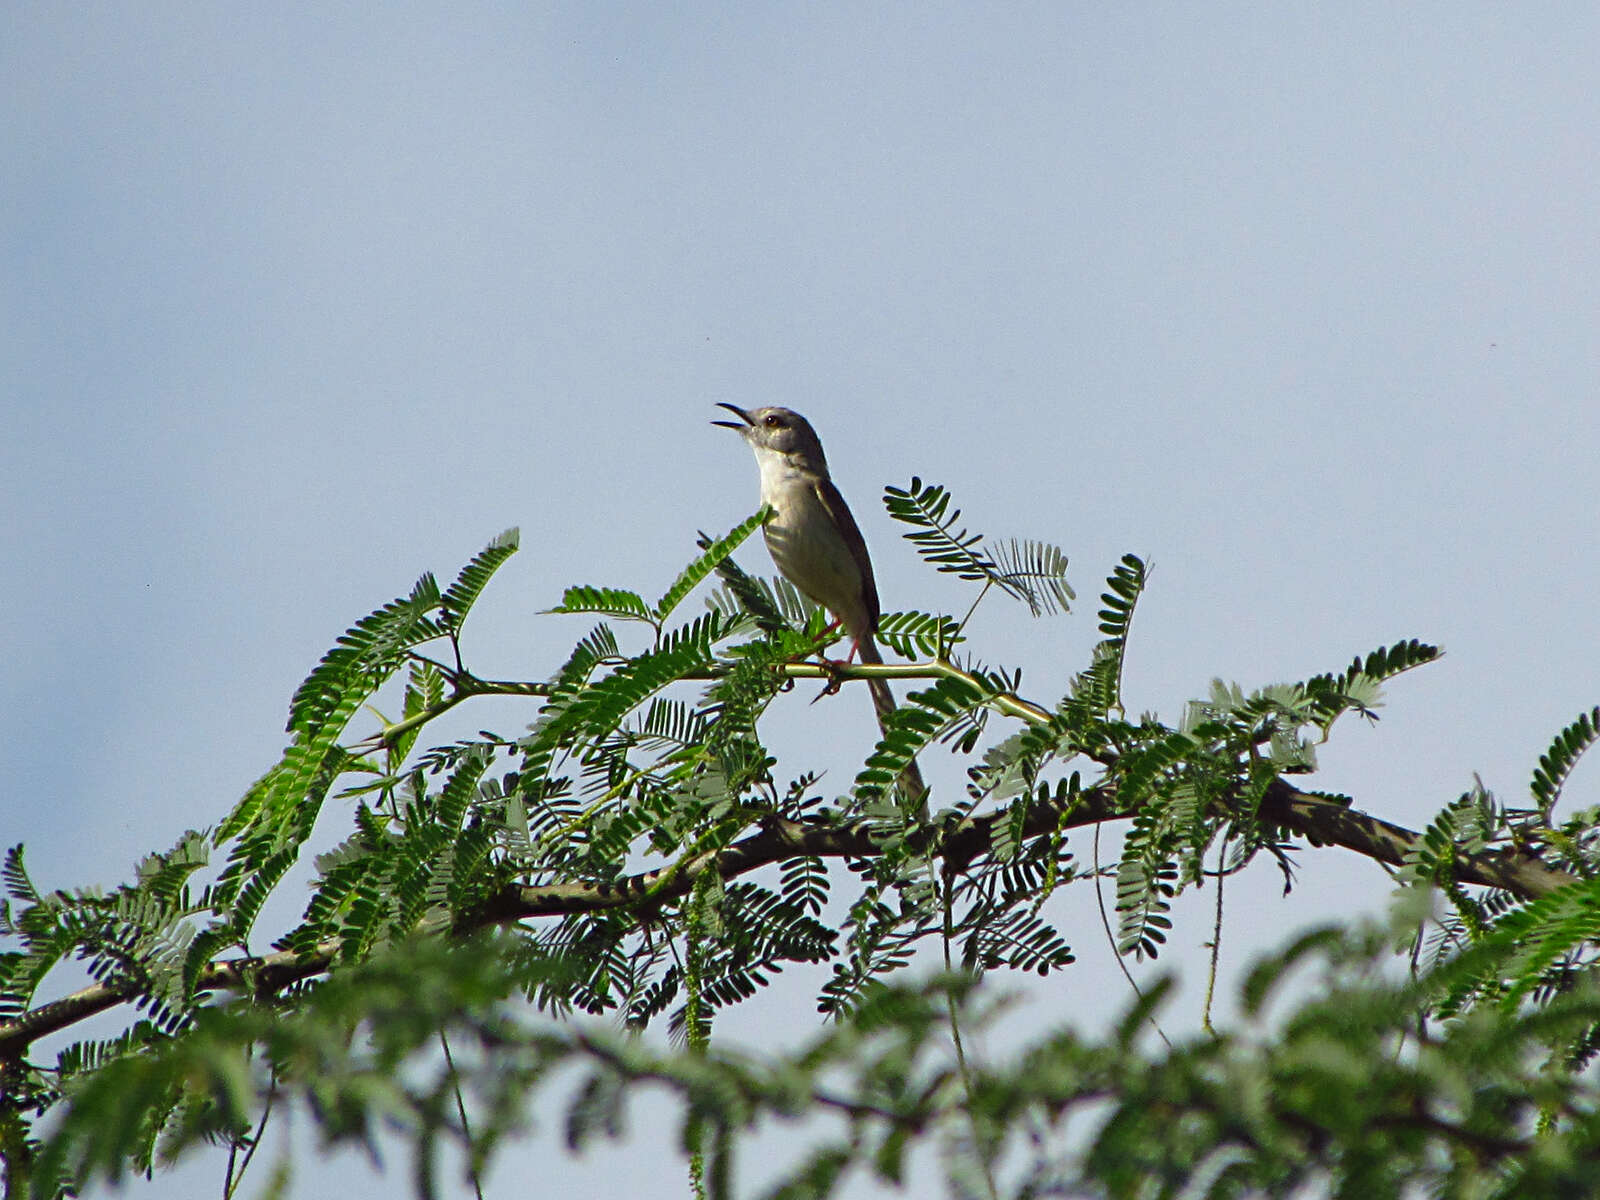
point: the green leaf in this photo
(367, 654)
(714, 553)
(910, 728)
(608, 602)
(1037, 572)
(458, 600)
(805, 884)
(1355, 689)
(1143, 893)
(743, 593)
(424, 688)
(1559, 760)
(277, 814)
(938, 538)
(1125, 585)
(918, 634)
(1020, 940)
(776, 606)
(1033, 572)
(18, 885)
(1099, 689)
(594, 711)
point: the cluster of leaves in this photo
(603, 844)
(1343, 1091)
(1549, 944)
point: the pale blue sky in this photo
(1301, 303)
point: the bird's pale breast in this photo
(812, 555)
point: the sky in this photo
(1300, 303)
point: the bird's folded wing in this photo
(845, 523)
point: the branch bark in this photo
(1319, 821)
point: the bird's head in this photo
(779, 431)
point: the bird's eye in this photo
(773, 421)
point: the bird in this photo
(813, 537)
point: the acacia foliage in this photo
(493, 887)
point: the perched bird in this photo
(813, 538)
(811, 535)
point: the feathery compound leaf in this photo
(1037, 571)
(1381, 664)
(1357, 687)
(1099, 689)
(714, 553)
(475, 576)
(1033, 572)
(805, 884)
(743, 593)
(1517, 956)
(1019, 940)
(462, 788)
(164, 875)
(910, 728)
(939, 541)
(364, 657)
(918, 634)
(1144, 891)
(597, 647)
(1126, 584)
(257, 887)
(1143, 765)
(286, 798)
(608, 602)
(1550, 776)
(18, 885)
(1402, 656)
(594, 712)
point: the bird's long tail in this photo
(911, 783)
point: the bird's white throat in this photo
(779, 473)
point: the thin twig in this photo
(1105, 923)
(461, 1110)
(961, 1054)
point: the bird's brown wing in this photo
(847, 527)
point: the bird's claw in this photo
(835, 679)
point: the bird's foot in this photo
(835, 680)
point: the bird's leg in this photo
(833, 666)
(827, 637)
(855, 645)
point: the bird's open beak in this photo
(744, 422)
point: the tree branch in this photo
(1322, 822)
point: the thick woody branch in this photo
(779, 839)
